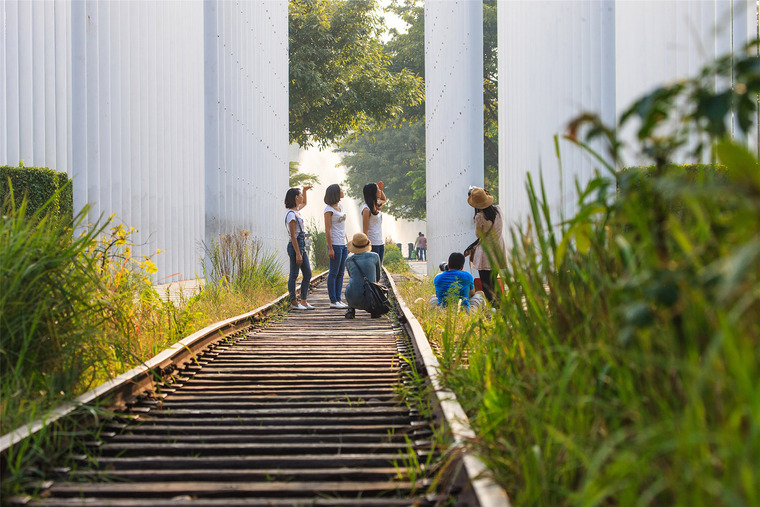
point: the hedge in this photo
(38, 184)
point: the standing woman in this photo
(335, 232)
(372, 218)
(295, 200)
(489, 224)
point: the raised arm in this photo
(381, 199)
(303, 192)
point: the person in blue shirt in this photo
(453, 284)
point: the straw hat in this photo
(359, 244)
(479, 198)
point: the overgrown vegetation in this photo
(622, 365)
(77, 310)
(394, 260)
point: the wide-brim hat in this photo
(359, 243)
(479, 198)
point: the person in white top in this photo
(372, 218)
(335, 232)
(295, 200)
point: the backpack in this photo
(375, 296)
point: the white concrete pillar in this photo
(454, 122)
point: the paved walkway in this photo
(179, 291)
(418, 267)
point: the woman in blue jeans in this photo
(295, 200)
(335, 232)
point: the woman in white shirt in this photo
(372, 218)
(335, 232)
(295, 200)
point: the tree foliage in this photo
(395, 156)
(340, 80)
(298, 179)
(398, 154)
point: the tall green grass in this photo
(240, 276)
(623, 364)
(78, 309)
(50, 308)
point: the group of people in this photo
(367, 247)
(456, 285)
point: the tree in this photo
(395, 156)
(340, 80)
(407, 51)
(299, 179)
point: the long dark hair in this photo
(489, 213)
(370, 197)
(290, 197)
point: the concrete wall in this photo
(170, 115)
(454, 122)
(558, 59)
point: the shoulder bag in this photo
(375, 296)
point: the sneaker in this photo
(336, 305)
(308, 307)
(341, 304)
(299, 306)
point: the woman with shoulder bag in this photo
(363, 263)
(489, 224)
(295, 200)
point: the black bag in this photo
(375, 296)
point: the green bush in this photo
(320, 260)
(394, 260)
(38, 185)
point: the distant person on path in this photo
(364, 261)
(489, 224)
(421, 244)
(454, 284)
(335, 232)
(295, 200)
(372, 218)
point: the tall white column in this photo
(454, 122)
(556, 60)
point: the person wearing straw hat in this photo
(363, 262)
(489, 225)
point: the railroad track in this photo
(304, 411)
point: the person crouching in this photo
(455, 285)
(362, 261)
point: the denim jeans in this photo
(379, 250)
(305, 269)
(335, 275)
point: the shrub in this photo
(319, 256)
(39, 185)
(50, 306)
(394, 260)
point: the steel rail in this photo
(124, 388)
(483, 491)
(189, 411)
